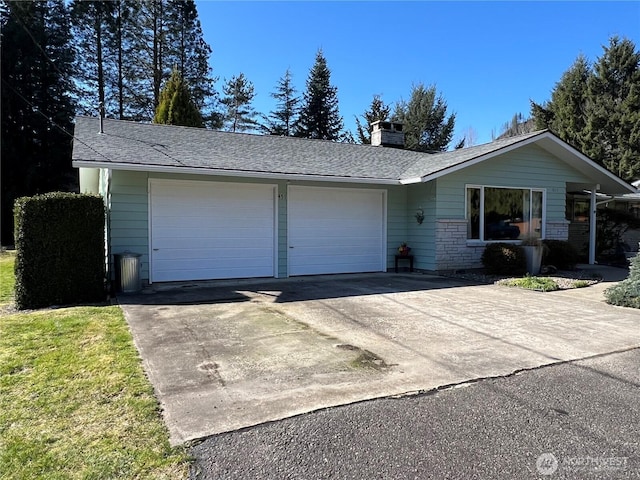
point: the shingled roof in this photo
(142, 146)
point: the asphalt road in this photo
(577, 420)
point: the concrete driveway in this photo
(228, 355)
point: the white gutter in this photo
(231, 173)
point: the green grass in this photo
(541, 284)
(74, 400)
(580, 284)
(7, 279)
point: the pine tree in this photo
(187, 50)
(597, 109)
(565, 114)
(281, 120)
(168, 34)
(36, 61)
(319, 114)
(238, 94)
(176, 106)
(91, 22)
(378, 110)
(426, 125)
(613, 124)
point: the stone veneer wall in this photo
(454, 253)
(557, 230)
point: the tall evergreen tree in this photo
(319, 114)
(187, 50)
(281, 120)
(36, 61)
(597, 109)
(566, 113)
(91, 25)
(122, 47)
(426, 124)
(240, 115)
(158, 35)
(378, 110)
(613, 124)
(176, 106)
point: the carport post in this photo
(592, 226)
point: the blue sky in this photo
(486, 58)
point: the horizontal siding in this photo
(130, 212)
(528, 167)
(129, 218)
(421, 237)
(396, 221)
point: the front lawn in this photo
(74, 400)
(7, 278)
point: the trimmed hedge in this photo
(627, 292)
(60, 255)
(504, 259)
(559, 253)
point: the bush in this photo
(504, 259)
(627, 292)
(60, 249)
(560, 254)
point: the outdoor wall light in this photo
(419, 216)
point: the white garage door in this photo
(209, 230)
(335, 230)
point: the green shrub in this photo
(627, 292)
(559, 253)
(504, 259)
(541, 284)
(60, 249)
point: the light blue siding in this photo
(421, 237)
(129, 217)
(396, 221)
(529, 166)
(129, 221)
(443, 198)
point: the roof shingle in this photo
(138, 144)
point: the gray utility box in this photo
(128, 265)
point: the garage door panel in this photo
(222, 223)
(221, 264)
(207, 273)
(208, 230)
(335, 230)
(229, 254)
(179, 234)
(232, 245)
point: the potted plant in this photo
(404, 249)
(533, 249)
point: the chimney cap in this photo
(387, 134)
(387, 125)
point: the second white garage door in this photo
(336, 230)
(208, 230)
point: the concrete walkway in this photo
(230, 355)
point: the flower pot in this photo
(533, 255)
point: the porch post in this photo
(592, 226)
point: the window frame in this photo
(481, 240)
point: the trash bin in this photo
(127, 272)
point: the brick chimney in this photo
(387, 134)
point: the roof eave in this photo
(614, 184)
(230, 173)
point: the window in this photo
(499, 214)
(581, 209)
